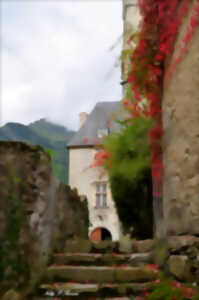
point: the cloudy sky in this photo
(56, 58)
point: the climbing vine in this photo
(161, 21)
(150, 69)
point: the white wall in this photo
(84, 178)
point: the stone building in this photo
(181, 136)
(180, 116)
(104, 222)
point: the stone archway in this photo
(100, 234)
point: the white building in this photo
(84, 145)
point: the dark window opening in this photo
(106, 235)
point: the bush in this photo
(129, 169)
(168, 289)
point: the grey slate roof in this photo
(102, 116)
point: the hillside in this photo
(48, 135)
(54, 132)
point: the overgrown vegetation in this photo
(168, 289)
(129, 169)
(11, 266)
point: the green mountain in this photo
(51, 136)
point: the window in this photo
(97, 200)
(102, 132)
(104, 200)
(98, 188)
(101, 195)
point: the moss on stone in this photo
(12, 295)
(12, 265)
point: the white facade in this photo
(87, 180)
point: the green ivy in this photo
(11, 265)
(129, 169)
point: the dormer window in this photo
(102, 132)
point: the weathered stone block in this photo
(87, 259)
(105, 246)
(135, 274)
(176, 243)
(76, 258)
(113, 259)
(12, 295)
(180, 267)
(139, 259)
(144, 246)
(78, 246)
(81, 274)
(125, 244)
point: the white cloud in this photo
(56, 58)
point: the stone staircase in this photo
(102, 270)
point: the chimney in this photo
(82, 118)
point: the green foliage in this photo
(129, 150)
(164, 291)
(50, 152)
(168, 289)
(129, 169)
(11, 265)
(58, 137)
(60, 161)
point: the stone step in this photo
(84, 298)
(86, 246)
(75, 290)
(100, 274)
(98, 259)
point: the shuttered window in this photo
(101, 195)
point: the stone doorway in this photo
(100, 234)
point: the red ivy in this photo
(99, 158)
(160, 24)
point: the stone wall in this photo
(37, 214)
(182, 260)
(181, 139)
